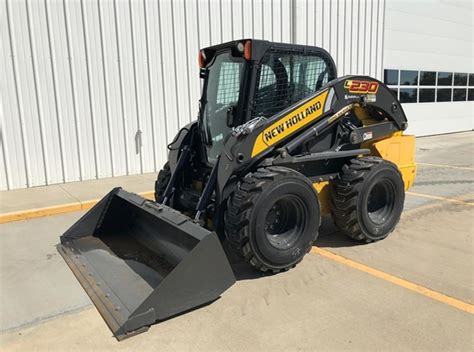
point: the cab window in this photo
(285, 78)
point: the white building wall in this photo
(432, 35)
(93, 89)
(352, 32)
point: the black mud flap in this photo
(141, 262)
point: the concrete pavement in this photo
(321, 304)
(61, 194)
(35, 284)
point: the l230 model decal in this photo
(361, 87)
(290, 123)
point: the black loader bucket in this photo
(141, 262)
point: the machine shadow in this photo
(331, 237)
(242, 270)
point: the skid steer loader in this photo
(280, 140)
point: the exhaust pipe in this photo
(141, 262)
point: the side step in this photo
(141, 262)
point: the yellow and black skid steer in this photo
(280, 141)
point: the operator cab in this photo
(249, 79)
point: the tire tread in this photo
(162, 181)
(239, 209)
(344, 195)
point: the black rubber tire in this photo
(162, 181)
(352, 195)
(283, 198)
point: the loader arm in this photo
(280, 135)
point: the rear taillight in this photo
(202, 59)
(248, 50)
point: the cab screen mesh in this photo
(229, 83)
(287, 77)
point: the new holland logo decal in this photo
(361, 87)
(290, 123)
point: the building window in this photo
(427, 78)
(471, 79)
(412, 86)
(408, 95)
(445, 78)
(460, 79)
(459, 94)
(408, 78)
(390, 77)
(444, 94)
(470, 94)
(427, 95)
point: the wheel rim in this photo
(381, 201)
(284, 222)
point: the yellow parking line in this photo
(55, 209)
(440, 198)
(456, 303)
(447, 166)
(39, 212)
